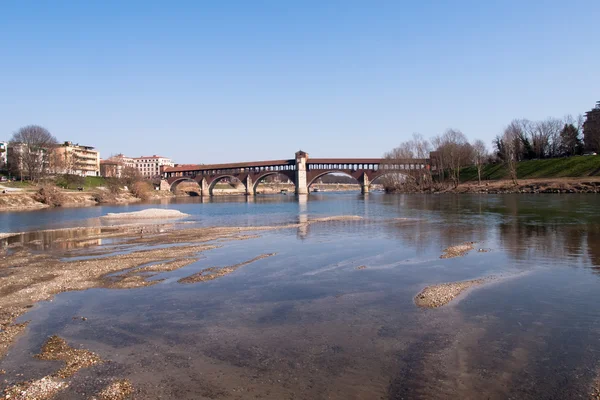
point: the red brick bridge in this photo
(302, 171)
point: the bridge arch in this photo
(175, 183)
(271, 173)
(217, 179)
(329, 172)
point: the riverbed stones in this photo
(208, 274)
(458, 250)
(439, 295)
(118, 390)
(57, 348)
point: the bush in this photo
(104, 196)
(50, 195)
(114, 185)
(142, 190)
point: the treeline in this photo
(521, 140)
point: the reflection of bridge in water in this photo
(302, 171)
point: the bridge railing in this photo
(192, 173)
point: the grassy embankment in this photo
(88, 183)
(569, 167)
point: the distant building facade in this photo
(151, 166)
(23, 161)
(147, 167)
(75, 159)
(111, 168)
(3, 156)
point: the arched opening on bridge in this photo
(226, 185)
(391, 181)
(274, 182)
(334, 181)
(186, 186)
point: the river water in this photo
(307, 324)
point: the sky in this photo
(232, 81)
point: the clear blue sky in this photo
(225, 81)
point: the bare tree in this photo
(417, 148)
(455, 150)
(511, 144)
(480, 155)
(33, 145)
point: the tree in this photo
(455, 151)
(510, 144)
(480, 155)
(32, 145)
(130, 175)
(416, 148)
(591, 129)
(570, 142)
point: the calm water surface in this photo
(306, 324)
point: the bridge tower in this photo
(301, 164)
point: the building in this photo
(24, 163)
(75, 159)
(147, 167)
(114, 166)
(111, 168)
(3, 156)
(151, 166)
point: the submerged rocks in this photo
(438, 295)
(458, 250)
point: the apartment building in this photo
(70, 158)
(23, 162)
(148, 167)
(3, 156)
(151, 166)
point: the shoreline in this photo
(523, 186)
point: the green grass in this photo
(88, 183)
(577, 166)
(18, 184)
(92, 182)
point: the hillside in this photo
(577, 166)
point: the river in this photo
(308, 323)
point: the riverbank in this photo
(539, 185)
(29, 200)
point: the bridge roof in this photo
(205, 167)
(363, 161)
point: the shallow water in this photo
(307, 324)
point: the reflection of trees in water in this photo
(63, 239)
(593, 245)
(554, 230)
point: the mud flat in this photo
(439, 295)
(149, 213)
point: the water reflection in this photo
(63, 239)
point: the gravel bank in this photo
(439, 295)
(458, 250)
